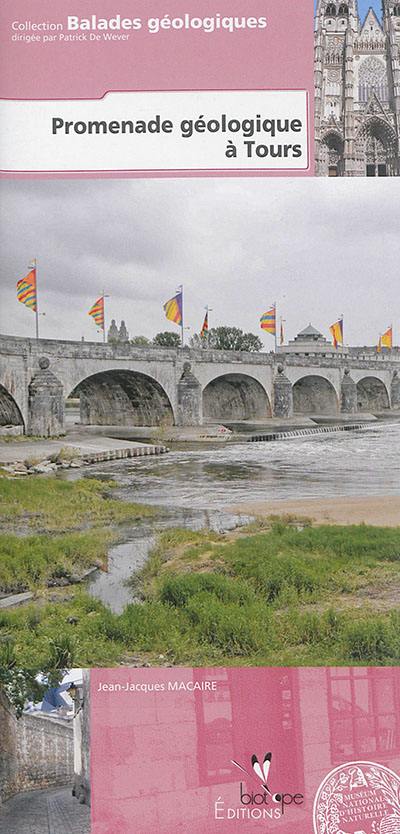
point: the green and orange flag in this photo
(268, 321)
(97, 312)
(26, 290)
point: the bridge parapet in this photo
(18, 345)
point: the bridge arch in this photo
(314, 394)
(235, 396)
(372, 394)
(10, 414)
(124, 398)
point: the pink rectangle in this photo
(173, 750)
(279, 57)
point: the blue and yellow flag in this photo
(174, 307)
(268, 321)
(26, 290)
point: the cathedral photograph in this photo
(357, 89)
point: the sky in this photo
(364, 5)
(318, 247)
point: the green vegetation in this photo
(32, 562)
(283, 596)
(72, 530)
(52, 505)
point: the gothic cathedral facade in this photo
(357, 90)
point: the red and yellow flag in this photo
(386, 340)
(97, 312)
(204, 329)
(174, 307)
(336, 331)
(268, 321)
(26, 290)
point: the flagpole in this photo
(182, 323)
(104, 316)
(276, 342)
(37, 299)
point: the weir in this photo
(287, 435)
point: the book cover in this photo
(199, 417)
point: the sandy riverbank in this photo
(378, 510)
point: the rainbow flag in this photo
(268, 321)
(204, 329)
(174, 307)
(26, 290)
(386, 340)
(336, 331)
(97, 312)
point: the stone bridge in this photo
(121, 384)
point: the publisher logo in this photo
(358, 798)
(262, 802)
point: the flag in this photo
(97, 312)
(204, 329)
(282, 335)
(26, 290)
(173, 308)
(268, 321)
(336, 331)
(386, 340)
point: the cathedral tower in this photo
(357, 90)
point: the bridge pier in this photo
(348, 404)
(190, 400)
(395, 390)
(282, 395)
(46, 413)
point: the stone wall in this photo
(81, 788)
(123, 384)
(35, 752)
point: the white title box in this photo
(157, 131)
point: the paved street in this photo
(44, 812)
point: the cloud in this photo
(319, 247)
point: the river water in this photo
(196, 487)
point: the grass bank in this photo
(67, 527)
(317, 596)
(50, 505)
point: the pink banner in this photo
(253, 750)
(67, 53)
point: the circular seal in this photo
(358, 798)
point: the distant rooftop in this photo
(310, 331)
